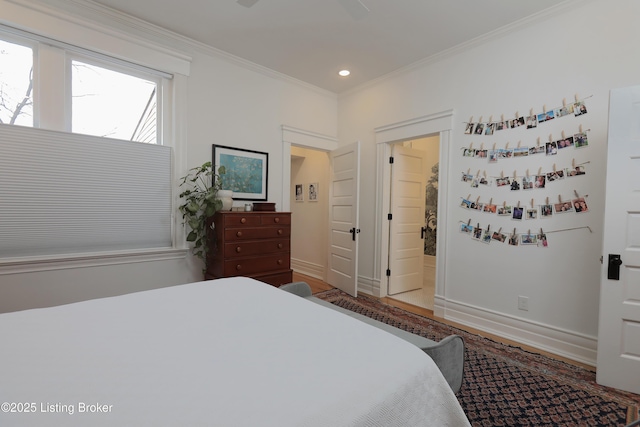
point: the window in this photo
(112, 104)
(86, 172)
(16, 84)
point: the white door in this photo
(343, 218)
(407, 208)
(619, 324)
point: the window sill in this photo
(97, 259)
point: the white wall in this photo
(587, 50)
(226, 101)
(310, 220)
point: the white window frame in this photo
(172, 132)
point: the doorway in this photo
(423, 295)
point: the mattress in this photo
(228, 352)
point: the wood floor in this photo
(318, 285)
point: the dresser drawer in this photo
(242, 248)
(251, 233)
(275, 219)
(263, 264)
(242, 220)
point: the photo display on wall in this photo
(525, 183)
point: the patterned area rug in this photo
(508, 386)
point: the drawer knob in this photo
(276, 219)
(279, 262)
(279, 245)
(238, 249)
(280, 231)
(239, 267)
(239, 234)
(243, 220)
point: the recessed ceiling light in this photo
(344, 73)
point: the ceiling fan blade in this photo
(246, 3)
(355, 8)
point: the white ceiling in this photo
(311, 40)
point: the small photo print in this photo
(555, 175)
(486, 236)
(580, 205)
(521, 152)
(538, 149)
(549, 115)
(477, 233)
(467, 177)
(532, 213)
(505, 153)
(551, 148)
(465, 204)
(494, 155)
(540, 181)
(563, 207)
(513, 240)
(490, 208)
(565, 143)
(528, 182)
(468, 152)
(580, 140)
(475, 182)
(505, 211)
(475, 206)
(313, 192)
(529, 239)
(532, 121)
(517, 213)
(500, 237)
(479, 129)
(501, 182)
(546, 211)
(566, 110)
(579, 108)
(542, 240)
(483, 181)
(469, 129)
(466, 228)
(481, 154)
(489, 129)
(515, 184)
(299, 193)
(578, 170)
(501, 126)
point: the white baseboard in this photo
(308, 268)
(579, 347)
(369, 286)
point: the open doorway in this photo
(423, 269)
(309, 195)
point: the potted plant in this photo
(201, 186)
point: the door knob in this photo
(423, 231)
(613, 271)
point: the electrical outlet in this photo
(523, 303)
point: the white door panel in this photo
(619, 323)
(343, 218)
(406, 248)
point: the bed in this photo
(227, 352)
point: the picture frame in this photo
(247, 172)
(313, 192)
(299, 193)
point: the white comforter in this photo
(229, 352)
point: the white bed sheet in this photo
(229, 352)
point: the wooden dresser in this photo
(251, 244)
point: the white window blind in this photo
(64, 193)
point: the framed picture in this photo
(313, 192)
(299, 193)
(247, 172)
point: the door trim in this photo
(299, 138)
(437, 123)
